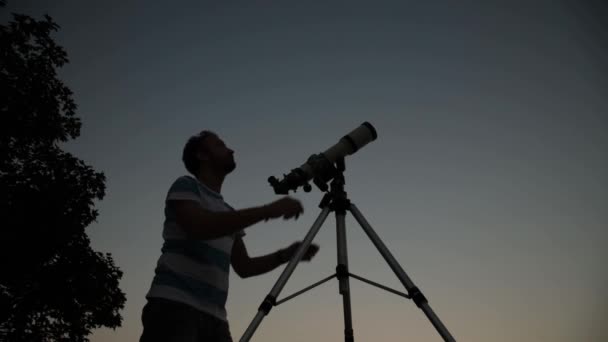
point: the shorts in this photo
(170, 321)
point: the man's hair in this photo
(190, 154)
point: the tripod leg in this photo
(271, 298)
(412, 289)
(343, 276)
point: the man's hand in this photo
(287, 253)
(285, 207)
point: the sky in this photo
(487, 181)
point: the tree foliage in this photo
(53, 287)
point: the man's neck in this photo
(212, 180)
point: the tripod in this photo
(337, 200)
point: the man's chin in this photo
(231, 168)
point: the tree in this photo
(53, 286)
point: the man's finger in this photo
(312, 250)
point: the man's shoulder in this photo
(189, 184)
(184, 188)
(184, 183)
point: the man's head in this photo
(207, 150)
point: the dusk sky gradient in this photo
(488, 181)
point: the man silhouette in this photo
(203, 236)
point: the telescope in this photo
(320, 167)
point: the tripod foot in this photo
(348, 335)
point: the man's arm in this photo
(200, 223)
(246, 266)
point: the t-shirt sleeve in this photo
(184, 188)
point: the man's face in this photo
(217, 155)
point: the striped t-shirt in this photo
(191, 271)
